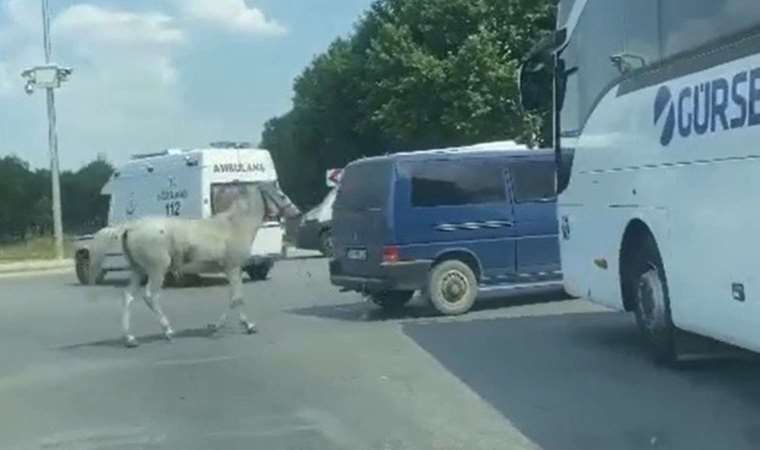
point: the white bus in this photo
(656, 107)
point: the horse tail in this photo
(101, 243)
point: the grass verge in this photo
(32, 249)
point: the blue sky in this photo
(152, 74)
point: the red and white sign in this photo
(333, 177)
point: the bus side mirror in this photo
(536, 85)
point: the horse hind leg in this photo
(129, 297)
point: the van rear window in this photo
(455, 183)
(364, 186)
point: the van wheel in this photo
(326, 243)
(391, 300)
(652, 303)
(452, 287)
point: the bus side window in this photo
(641, 31)
(703, 22)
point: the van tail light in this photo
(391, 254)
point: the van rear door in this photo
(360, 216)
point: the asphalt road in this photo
(328, 371)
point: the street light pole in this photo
(52, 139)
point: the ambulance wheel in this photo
(180, 281)
(259, 272)
(326, 243)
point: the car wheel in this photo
(82, 268)
(326, 244)
(452, 287)
(652, 303)
(259, 272)
(391, 300)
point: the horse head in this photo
(276, 201)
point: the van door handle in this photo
(500, 224)
(492, 224)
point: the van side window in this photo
(533, 181)
(454, 183)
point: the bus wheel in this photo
(452, 287)
(652, 303)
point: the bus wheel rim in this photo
(651, 298)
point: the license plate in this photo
(357, 253)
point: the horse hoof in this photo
(169, 335)
(130, 342)
(249, 328)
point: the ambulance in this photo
(187, 183)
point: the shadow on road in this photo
(200, 282)
(304, 257)
(367, 311)
(182, 334)
(585, 381)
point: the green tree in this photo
(84, 209)
(415, 74)
(25, 205)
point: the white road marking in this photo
(193, 361)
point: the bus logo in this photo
(709, 107)
(662, 102)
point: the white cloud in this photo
(124, 95)
(121, 28)
(6, 83)
(234, 15)
(22, 15)
(128, 93)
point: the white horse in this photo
(222, 243)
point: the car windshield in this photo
(486, 224)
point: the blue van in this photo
(449, 223)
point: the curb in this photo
(35, 266)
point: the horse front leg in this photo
(235, 278)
